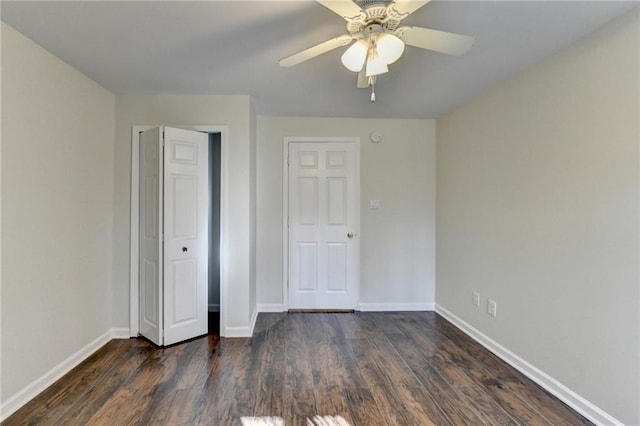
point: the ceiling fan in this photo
(374, 25)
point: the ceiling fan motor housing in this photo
(365, 4)
(379, 12)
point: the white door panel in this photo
(323, 209)
(173, 234)
(150, 266)
(185, 234)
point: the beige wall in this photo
(57, 201)
(397, 241)
(231, 111)
(537, 208)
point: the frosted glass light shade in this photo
(354, 57)
(389, 47)
(375, 64)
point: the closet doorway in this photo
(177, 296)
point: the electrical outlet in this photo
(492, 307)
(476, 299)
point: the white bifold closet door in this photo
(173, 234)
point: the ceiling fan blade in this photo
(316, 50)
(363, 80)
(408, 6)
(438, 41)
(344, 8)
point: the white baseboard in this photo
(214, 307)
(271, 307)
(569, 397)
(242, 331)
(252, 322)
(389, 307)
(29, 392)
(237, 331)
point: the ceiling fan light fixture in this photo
(375, 64)
(355, 56)
(389, 47)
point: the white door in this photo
(182, 211)
(186, 234)
(150, 229)
(324, 192)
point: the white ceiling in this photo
(233, 47)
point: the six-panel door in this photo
(323, 224)
(185, 234)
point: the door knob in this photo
(351, 235)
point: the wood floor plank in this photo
(270, 395)
(385, 389)
(335, 329)
(357, 326)
(488, 410)
(316, 328)
(323, 364)
(452, 359)
(542, 401)
(196, 372)
(420, 338)
(406, 368)
(444, 395)
(332, 365)
(386, 322)
(112, 413)
(302, 405)
(363, 407)
(163, 371)
(455, 408)
(159, 367)
(242, 404)
(509, 401)
(389, 361)
(266, 321)
(295, 328)
(475, 350)
(424, 408)
(331, 401)
(298, 372)
(271, 378)
(214, 403)
(180, 410)
(347, 366)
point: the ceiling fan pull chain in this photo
(373, 91)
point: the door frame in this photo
(285, 205)
(134, 326)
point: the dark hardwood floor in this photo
(370, 368)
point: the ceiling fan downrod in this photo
(372, 83)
